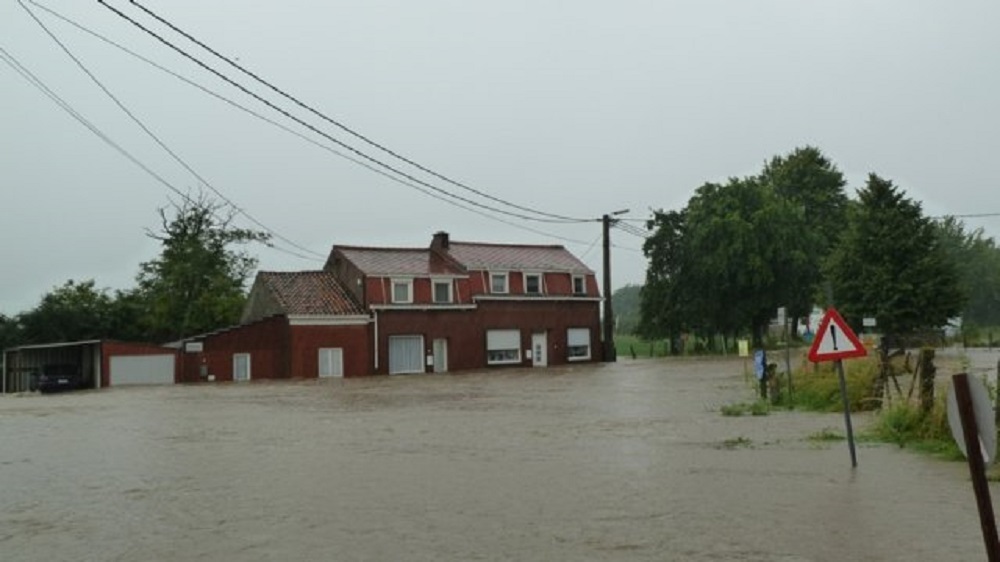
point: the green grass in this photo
(758, 408)
(826, 435)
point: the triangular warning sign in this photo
(835, 340)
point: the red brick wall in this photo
(266, 341)
(307, 340)
(465, 330)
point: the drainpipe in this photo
(375, 347)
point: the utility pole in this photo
(610, 354)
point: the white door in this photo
(331, 362)
(539, 350)
(441, 355)
(141, 369)
(241, 366)
(406, 354)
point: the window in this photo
(503, 346)
(498, 283)
(579, 285)
(442, 291)
(402, 290)
(406, 354)
(532, 284)
(331, 362)
(578, 344)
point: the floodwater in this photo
(630, 461)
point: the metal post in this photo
(977, 468)
(788, 361)
(610, 354)
(847, 412)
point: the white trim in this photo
(375, 346)
(249, 358)
(333, 357)
(411, 369)
(506, 282)
(583, 279)
(541, 282)
(408, 281)
(423, 307)
(450, 283)
(328, 320)
(578, 337)
(526, 298)
(504, 340)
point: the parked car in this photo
(60, 376)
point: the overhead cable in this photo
(342, 126)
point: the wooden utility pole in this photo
(610, 353)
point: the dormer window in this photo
(498, 283)
(579, 285)
(532, 283)
(442, 290)
(402, 291)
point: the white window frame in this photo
(326, 358)
(583, 284)
(417, 366)
(494, 275)
(541, 286)
(503, 347)
(249, 359)
(578, 339)
(408, 283)
(447, 283)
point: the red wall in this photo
(307, 340)
(110, 348)
(465, 330)
(266, 341)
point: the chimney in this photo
(440, 241)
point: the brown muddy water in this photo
(630, 461)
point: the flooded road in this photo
(630, 461)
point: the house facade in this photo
(374, 310)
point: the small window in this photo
(578, 344)
(442, 291)
(579, 285)
(532, 284)
(503, 346)
(402, 290)
(498, 283)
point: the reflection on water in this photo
(605, 462)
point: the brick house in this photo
(375, 310)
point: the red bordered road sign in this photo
(835, 340)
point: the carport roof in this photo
(309, 293)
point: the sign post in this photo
(971, 421)
(836, 341)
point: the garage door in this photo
(142, 369)
(406, 354)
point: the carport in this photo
(21, 364)
(101, 363)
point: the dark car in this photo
(59, 376)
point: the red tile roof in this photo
(479, 256)
(309, 292)
(398, 261)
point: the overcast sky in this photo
(572, 108)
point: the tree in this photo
(626, 305)
(10, 332)
(663, 310)
(890, 264)
(198, 282)
(815, 187)
(978, 260)
(71, 312)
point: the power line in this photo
(342, 126)
(159, 141)
(312, 128)
(289, 130)
(37, 82)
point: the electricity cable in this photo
(342, 126)
(314, 129)
(159, 141)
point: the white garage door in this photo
(406, 354)
(142, 369)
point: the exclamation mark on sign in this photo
(833, 334)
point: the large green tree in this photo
(10, 332)
(978, 261)
(663, 309)
(890, 264)
(815, 188)
(198, 283)
(76, 310)
(626, 304)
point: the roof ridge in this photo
(505, 245)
